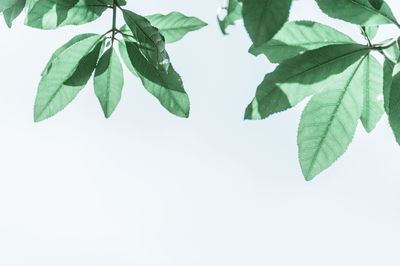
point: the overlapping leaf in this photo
(264, 18)
(152, 43)
(233, 13)
(166, 87)
(51, 14)
(394, 104)
(329, 121)
(109, 81)
(302, 76)
(299, 36)
(360, 12)
(69, 72)
(174, 26)
(373, 107)
(11, 10)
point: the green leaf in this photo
(393, 52)
(125, 57)
(373, 107)
(394, 106)
(109, 81)
(369, 32)
(302, 76)
(111, 2)
(329, 121)
(152, 43)
(13, 11)
(264, 18)
(359, 12)
(297, 37)
(233, 13)
(376, 3)
(5, 4)
(51, 14)
(68, 74)
(174, 26)
(60, 50)
(388, 67)
(166, 87)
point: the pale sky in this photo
(145, 188)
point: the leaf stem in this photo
(114, 23)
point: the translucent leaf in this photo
(302, 76)
(369, 32)
(359, 12)
(174, 26)
(376, 3)
(60, 50)
(329, 121)
(68, 74)
(394, 106)
(299, 36)
(51, 14)
(109, 81)
(388, 67)
(13, 11)
(373, 107)
(152, 43)
(233, 13)
(166, 87)
(264, 18)
(5, 4)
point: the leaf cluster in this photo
(343, 80)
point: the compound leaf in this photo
(51, 14)
(68, 74)
(359, 12)
(302, 76)
(174, 26)
(299, 36)
(233, 13)
(109, 81)
(329, 121)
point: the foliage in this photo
(142, 48)
(345, 81)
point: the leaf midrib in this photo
(330, 122)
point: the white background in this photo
(147, 188)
